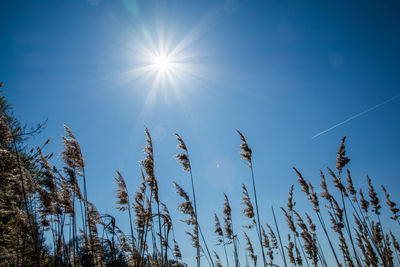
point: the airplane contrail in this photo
(357, 115)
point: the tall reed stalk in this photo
(183, 159)
(246, 154)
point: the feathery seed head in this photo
(218, 261)
(218, 230)
(177, 251)
(373, 197)
(325, 194)
(72, 155)
(121, 192)
(248, 209)
(350, 186)
(228, 219)
(337, 182)
(246, 151)
(183, 158)
(181, 144)
(290, 203)
(289, 220)
(250, 249)
(341, 159)
(391, 204)
(363, 202)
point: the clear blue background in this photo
(280, 71)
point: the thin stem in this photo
(321, 254)
(237, 263)
(205, 244)
(197, 221)
(349, 232)
(327, 236)
(226, 255)
(279, 236)
(130, 223)
(85, 204)
(161, 236)
(236, 252)
(302, 250)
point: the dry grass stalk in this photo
(221, 237)
(121, 193)
(250, 249)
(186, 208)
(341, 159)
(228, 227)
(177, 251)
(218, 230)
(350, 186)
(374, 200)
(248, 210)
(218, 260)
(391, 205)
(290, 248)
(183, 159)
(363, 202)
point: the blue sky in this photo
(280, 71)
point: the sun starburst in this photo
(167, 66)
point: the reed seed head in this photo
(121, 192)
(341, 159)
(246, 151)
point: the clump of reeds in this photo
(38, 198)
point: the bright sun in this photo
(162, 63)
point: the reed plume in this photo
(341, 159)
(391, 205)
(121, 193)
(177, 251)
(218, 260)
(374, 200)
(250, 249)
(248, 210)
